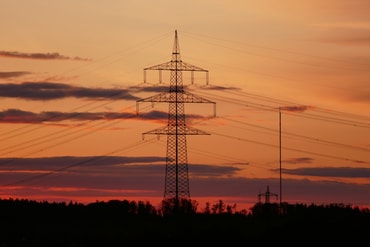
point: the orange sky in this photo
(64, 137)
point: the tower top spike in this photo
(176, 49)
(176, 64)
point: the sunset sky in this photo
(71, 73)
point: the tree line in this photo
(118, 222)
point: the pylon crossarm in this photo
(172, 131)
(165, 97)
(162, 66)
(158, 131)
(176, 65)
(192, 98)
(194, 131)
(189, 67)
(161, 97)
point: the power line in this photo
(289, 148)
(206, 38)
(261, 106)
(90, 159)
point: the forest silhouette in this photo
(119, 223)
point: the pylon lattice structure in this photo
(176, 177)
(267, 195)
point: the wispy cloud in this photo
(164, 87)
(212, 170)
(105, 171)
(343, 172)
(299, 160)
(345, 33)
(294, 190)
(296, 108)
(40, 56)
(11, 74)
(220, 88)
(150, 88)
(58, 163)
(44, 90)
(52, 91)
(21, 116)
(92, 178)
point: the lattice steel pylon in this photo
(267, 196)
(176, 177)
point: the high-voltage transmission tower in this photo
(267, 196)
(176, 177)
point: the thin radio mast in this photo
(281, 195)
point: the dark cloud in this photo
(161, 115)
(293, 190)
(52, 91)
(85, 178)
(11, 74)
(72, 167)
(157, 115)
(297, 108)
(56, 163)
(20, 116)
(42, 56)
(300, 160)
(164, 88)
(103, 171)
(214, 87)
(149, 88)
(90, 172)
(342, 172)
(212, 170)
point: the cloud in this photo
(92, 178)
(11, 74)
(75, 168)
(161, 88)
(21, 116)
(219, 88)
(58, 163)
(53, 91)
(41, 56)
(197, 170)
(90, 171)
(300, 160)
(300, 108)
(154, 115)
(150, 88)
(164, 88)
(342, 172)
(345, 33)
(293, 190)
